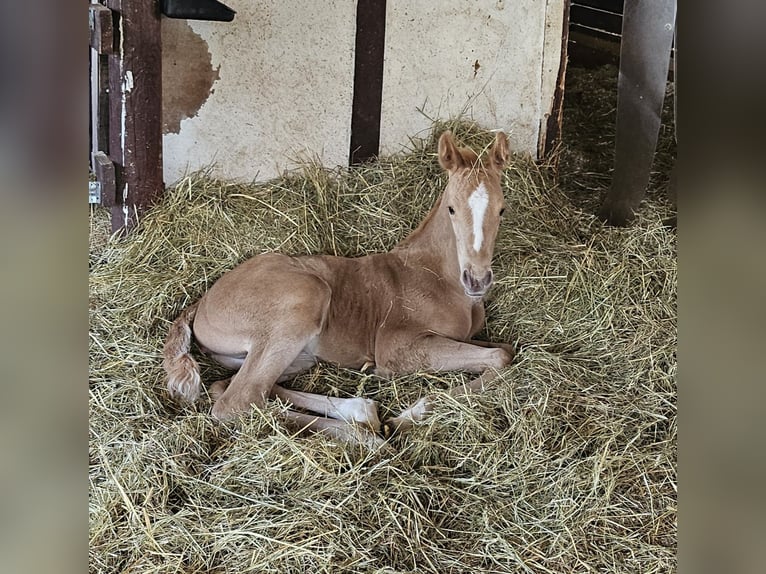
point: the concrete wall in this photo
(281, 86)
(489, 60)
(276, 84)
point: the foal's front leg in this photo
(359, 414)
(401, 353)
(441, 354)
(492, 345)
(424, 405)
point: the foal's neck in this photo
(432, 244)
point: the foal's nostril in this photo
(473, 285)
(469, 283)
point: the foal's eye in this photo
(502, 211)
(451, 211)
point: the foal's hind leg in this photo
(278, 325)
(346, 432)
(252, 384)
(351, 410)
(217, 388)
(263, 366)
(351, 416)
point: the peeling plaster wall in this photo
(283, 88)
(276, 84)
(187, 74)
(493, 61)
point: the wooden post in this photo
(101, 46)
(368, 80)
(553, 124)
(135, 108)
(647, 39)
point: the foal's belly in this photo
(343, 351)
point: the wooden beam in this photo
(368, 80)
(101, 29)
(553, 124)
(104, 172)
(135, 109)
(647, 39)
(99, 105)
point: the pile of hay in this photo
(567, 464)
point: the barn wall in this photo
(277, 83)
(492, 60)
(283, 72)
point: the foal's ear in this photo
(449, 156)
(500, 154)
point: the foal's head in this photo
(474, 201)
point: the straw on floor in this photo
(567, 464)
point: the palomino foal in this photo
(414, 308)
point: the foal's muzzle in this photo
(476, 287)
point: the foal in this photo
(414, 308)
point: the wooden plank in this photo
(135, 109)
(101, 29)
(368, 80)
(99, 104)
(644, 61)
(553, 124)
(104, 171)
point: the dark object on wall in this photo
(197, 10)
(647, 38)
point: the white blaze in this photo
(478, 203)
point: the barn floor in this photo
(567, 464)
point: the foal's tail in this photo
(183, 371)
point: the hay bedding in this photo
(566, 465)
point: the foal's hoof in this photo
(406, 419)
(355, 435)
(508, 349)
(217, 388)
(363, 412)
(222, 412)
(616, 215)
(227, 408)
(396, 425)
(372, 441)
